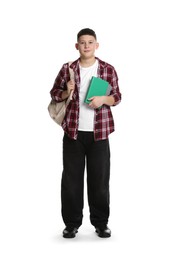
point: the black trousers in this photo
(95, 155)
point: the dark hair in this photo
(86, 31)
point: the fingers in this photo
(91, 98)
(71, 85)
(71, 81)
(96, 102)
(92, 104)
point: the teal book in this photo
(97, 87)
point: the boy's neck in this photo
(87, 62)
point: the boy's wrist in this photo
(65, 94)
(108, 100)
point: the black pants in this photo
(95, 155)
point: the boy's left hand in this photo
(96, 102)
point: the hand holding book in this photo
(96, 102)
(98, 88)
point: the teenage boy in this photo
(85, 142)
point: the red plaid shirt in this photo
(103, 119)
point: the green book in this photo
(97, 87)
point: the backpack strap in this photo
(72, 78)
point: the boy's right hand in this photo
(70, 86)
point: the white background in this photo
(37, 37)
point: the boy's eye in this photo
(91, 42)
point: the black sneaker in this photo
(69, 232)
(103, 232)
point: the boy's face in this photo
(86, 46)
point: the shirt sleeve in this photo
(115, 92)
(60, 84)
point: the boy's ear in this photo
(97, 45)
(76, 45)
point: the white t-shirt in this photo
(86, 114)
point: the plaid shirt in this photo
(103, 119)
